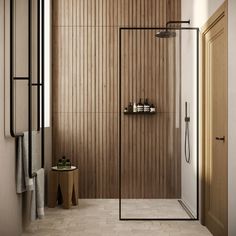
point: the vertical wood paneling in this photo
(86, 96)
(150, 144)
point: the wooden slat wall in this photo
(86, 92)
(150, 143)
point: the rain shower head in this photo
(166, 34)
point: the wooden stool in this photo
(67, 182)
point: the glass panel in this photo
(36, 90)
(155, 176)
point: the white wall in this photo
(47, 62)
(199, 11)
(189, 95)
(232, 116)
(10, 203)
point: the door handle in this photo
(221, 138)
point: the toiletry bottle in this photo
(146, 106)
(130, 107)
(152, 108)
(63, 161)
(59, 164)
(134, 107)
(68, 164)
(140, 106)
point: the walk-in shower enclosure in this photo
(156, 181)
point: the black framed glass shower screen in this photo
(158, 152)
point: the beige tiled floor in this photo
(100, 218)
(152, 208)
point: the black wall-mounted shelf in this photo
(139, 113)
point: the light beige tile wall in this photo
(10, 203)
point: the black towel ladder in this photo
(39, 84)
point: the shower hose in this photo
(187, 138)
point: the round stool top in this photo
(64, 169)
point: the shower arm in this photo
(177, 22)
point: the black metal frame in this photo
(40, 72)
(121, 112)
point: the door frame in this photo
(219, 13)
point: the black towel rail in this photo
(39, 84)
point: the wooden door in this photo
(215, 132)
